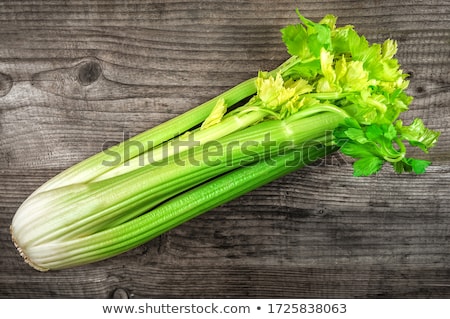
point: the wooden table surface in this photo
(77, 75)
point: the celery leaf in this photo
(367, 166)
(418, 135)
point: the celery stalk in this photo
(97, 205)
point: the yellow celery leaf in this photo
(274, 92)
(216, 114)
(389, 49)
(341, 68)
(356, 78)
(328, 82)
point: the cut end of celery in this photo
(24, 255)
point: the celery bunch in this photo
(336, 91)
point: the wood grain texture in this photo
(77, 75)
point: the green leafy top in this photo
(334, 68)
(375, 144)
(364, 80)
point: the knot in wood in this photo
(6, 84)
(89, 72)
(120, 293)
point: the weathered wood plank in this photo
(77, 76)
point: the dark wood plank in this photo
(77, 76)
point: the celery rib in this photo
(92, 167)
